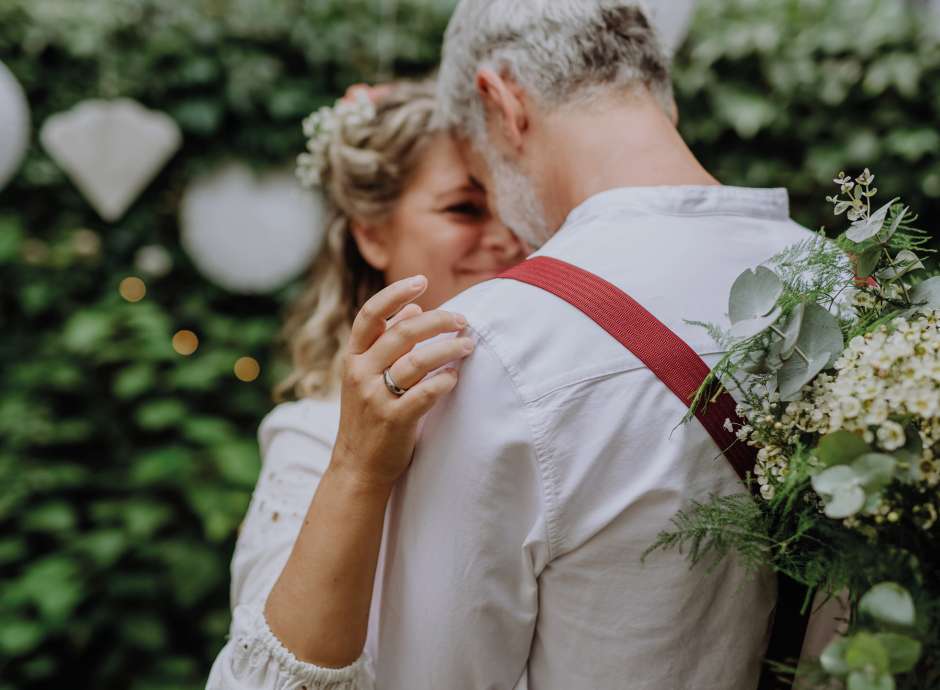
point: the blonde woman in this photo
(409, 230)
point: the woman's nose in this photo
(499, 239)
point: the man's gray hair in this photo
(558, 50)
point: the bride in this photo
(410, 229)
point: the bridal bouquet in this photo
(834, 353)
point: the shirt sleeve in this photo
(295, 455)
(467, 539)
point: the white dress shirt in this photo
(513, 554)
(515, 544)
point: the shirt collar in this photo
(773, 204)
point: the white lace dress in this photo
(296, 442)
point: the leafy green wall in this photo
(125, 467)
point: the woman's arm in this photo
(319, 607)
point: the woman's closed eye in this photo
(467, 210)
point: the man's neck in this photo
(610, 146)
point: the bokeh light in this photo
(247, 369)
(133, 289)
(185, 343)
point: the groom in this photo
(515, 543)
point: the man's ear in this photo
(506, 105)
(373, 244)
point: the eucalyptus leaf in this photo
(903, 651)
(890, 603)
(875, 470)
(926, 295)
(743, 330)
(844, 502)
(905, 262)
(864, 652)
(754, 294)
(796, 373)
(841, 490)
(911, 454)
(840, 448)
(867, 228)
(867, 261)
(833, 657)
(895, 224)
(860, 680)
(791, 332)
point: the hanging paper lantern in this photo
(14, 125)
(251, 234)
(671, 19)
(111, 150)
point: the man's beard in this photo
(516, 200)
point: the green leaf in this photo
(161, 414)
(86, 331)
(833, 657)
(743, 330)
(796, 373)
(791, 332)
(865, 653)
(859, 680)
(754, 294)
(875, 470)
(926, 295)
(869, 227)
(868, 261)
(54, 517)
(840, 448)
(134, 380)
(903, 651)
(905, 262)
(19, 637)
(890, 603)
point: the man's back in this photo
(514, 545)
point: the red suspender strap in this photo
(683, 371)
(662, 351)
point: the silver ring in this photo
(393, 387)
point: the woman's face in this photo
(442, 228)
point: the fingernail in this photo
(468, 345)
(418, 282)
(460, 321)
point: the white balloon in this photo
(672, 19)
(111, 150)
(14, 125)
(248, 233)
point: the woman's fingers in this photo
(414, 366)
(371, 321)
(404, 335)
(419, 400)
(409, 312)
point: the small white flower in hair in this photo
(355, 109)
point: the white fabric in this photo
(296, 442)
(515, 542)
(513, 548)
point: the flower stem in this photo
(795, 348)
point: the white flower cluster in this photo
(886, 386)
(320, 129)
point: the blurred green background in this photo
(126, 468)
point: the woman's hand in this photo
(377, 428)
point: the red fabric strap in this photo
(683, 371)
(662, 351)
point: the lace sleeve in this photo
(254, 659)
(296, 447)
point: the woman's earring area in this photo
(392, 386)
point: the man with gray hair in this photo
(514, 553)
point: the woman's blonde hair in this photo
(368, 166)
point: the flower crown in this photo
(356, 108)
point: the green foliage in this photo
(789, 92)
(127, 468)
